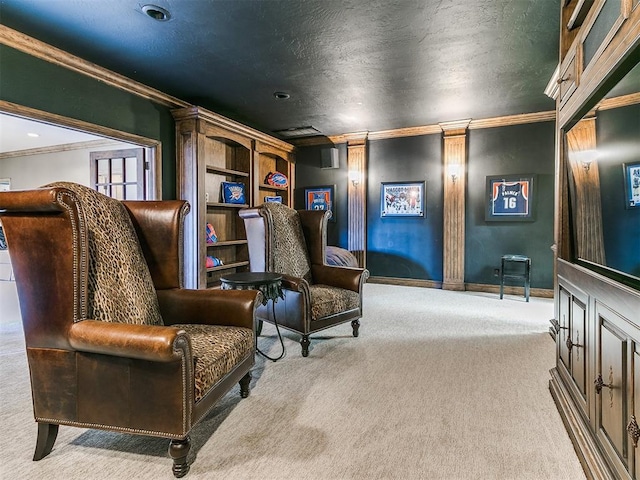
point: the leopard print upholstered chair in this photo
(317, 296)
(113, 340)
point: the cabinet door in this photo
(578, 344)
(564, 300)
(611, 399)
(635, 412)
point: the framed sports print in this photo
(631, 185)
(320, 198)
(404, 199)
(510, 198)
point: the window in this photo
(119, 174)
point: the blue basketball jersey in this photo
(510, 198)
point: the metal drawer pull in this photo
(599, 383)
(633, 430)
(570, 343)
(556, 325)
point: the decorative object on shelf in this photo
(404, 199)
(632, 184)
(275, 198)
(233, 192)
(211, 234)
(276, 179)
(320, 198)
(213, 262)
(510, 198)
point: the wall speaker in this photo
(329, 158)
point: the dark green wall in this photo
(35, 83)
(409, 247)
(309, 174)
(412, 247)
(519, 149)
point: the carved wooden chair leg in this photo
(178, 450)
(47, 434)
(244, 385)
(355, 324)
(305, 342)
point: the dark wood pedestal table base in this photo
(270, 285)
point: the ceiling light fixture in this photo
(32, 135)
(281, 95)
(157, 13)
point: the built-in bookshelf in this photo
(211, 150)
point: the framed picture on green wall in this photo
(321, 198)
(632, 184)
(510, 198)
(402, 199)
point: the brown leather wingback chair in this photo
(317, 296)
(113, 341)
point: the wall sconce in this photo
(453, 169)
(354, 176)
(584, 157)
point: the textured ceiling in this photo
(348, 65)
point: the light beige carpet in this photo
(439, 385)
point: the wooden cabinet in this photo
(211, 150)
(596, 379)
(573, 342)
(617, 390)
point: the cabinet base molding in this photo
(593, 463)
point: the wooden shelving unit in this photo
(212, 149)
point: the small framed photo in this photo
(320, 198)
(510, 198)
(273, 199)
(631, 184)
(402, 199)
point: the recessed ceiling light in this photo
(32, 135)
(156, 12)
(281, 95)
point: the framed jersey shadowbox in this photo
(510, 198)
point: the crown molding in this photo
(509, 120)
(194, 113)
(553, 87)
(617, 102)
(456, 127)
(405, 132)
(36, 48)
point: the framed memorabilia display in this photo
(274, 198)
(631, 184)
(510, 198)
(320, 198)
(402, 199)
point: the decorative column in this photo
(357, 193)
(583, 163)
(454, 168)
